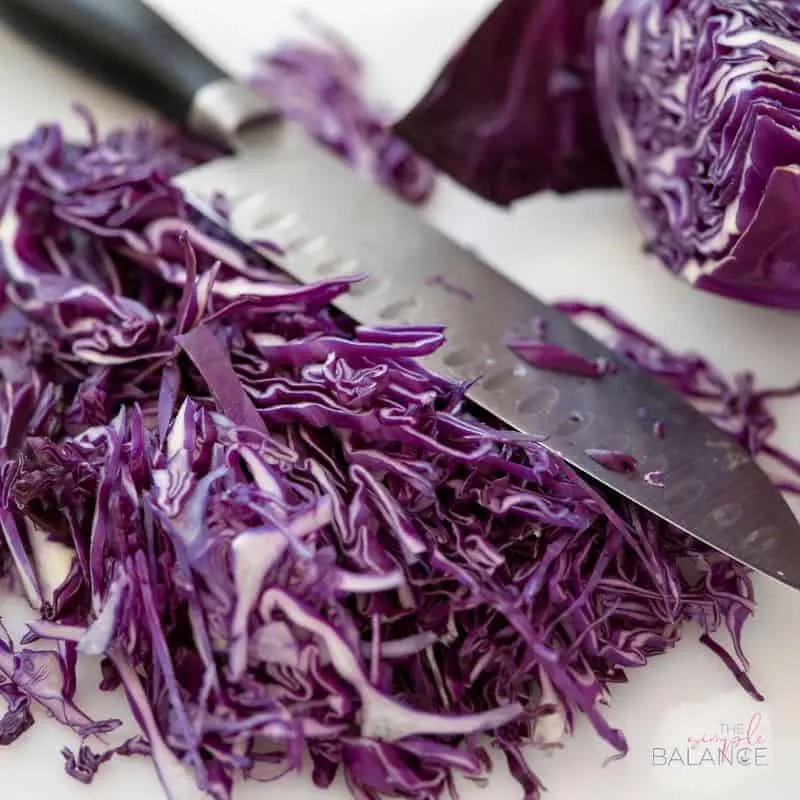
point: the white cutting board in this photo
(583, 246)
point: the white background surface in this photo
(582, 246)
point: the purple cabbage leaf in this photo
(513, 111)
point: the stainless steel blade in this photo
(284, 188)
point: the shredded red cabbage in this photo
(320, 85)
(284, 529)
(655, 478)
(735, 405)
(450, 287)
(614, 460)
(84, 764)
(17, 717)
(553, 357)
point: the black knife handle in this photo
(127, 45)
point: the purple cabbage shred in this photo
(451, 287)
(83, 765)
(734, 404)
(319, 84)
(17, 717)
(553, 357)
(655, 478)
(615, 460)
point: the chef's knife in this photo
(285, 188)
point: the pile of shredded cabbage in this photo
(287, 535)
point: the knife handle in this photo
(128, 46)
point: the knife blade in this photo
(284, 188)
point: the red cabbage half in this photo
(700, 103)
